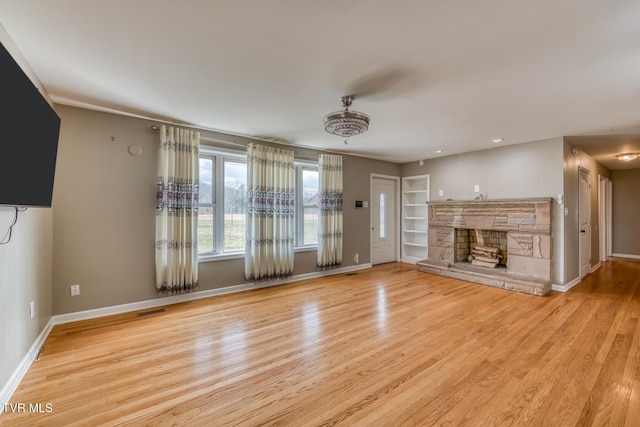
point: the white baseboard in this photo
(565, 288)
(10, 387)
(411, 259)
(175, 299)
(626, 256)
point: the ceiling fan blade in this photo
(383, 84)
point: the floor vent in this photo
(148, 313)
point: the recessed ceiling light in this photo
(496, 140)
(438, 151)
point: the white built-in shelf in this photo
(415, 195)
(416, 245)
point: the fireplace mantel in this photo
(527, 223)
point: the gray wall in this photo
(103, 213)
(25, 276)
(357, 228)
(626, 212)
(572, 163)
(570, 236)
(25, 268)
(516, 171)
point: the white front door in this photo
(584, 219)
(383, 221)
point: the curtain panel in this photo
(270, 227)
(330, 211)
(177, 211)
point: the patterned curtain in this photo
(330, 205)
(177, 211)
(270, 213)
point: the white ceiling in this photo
(432, 75)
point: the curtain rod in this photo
(156, 128)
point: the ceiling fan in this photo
(379, 84)
(346, 123)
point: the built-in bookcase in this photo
(415, 195)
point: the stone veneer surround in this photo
(527, 223)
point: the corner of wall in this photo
(26, 277)
(8, 43)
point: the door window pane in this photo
(383, 216)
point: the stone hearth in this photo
(526, 223)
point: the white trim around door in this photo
(396, 209)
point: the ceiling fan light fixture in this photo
(627, 157)
(346, 123)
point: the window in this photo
(307, 181)
(235, 205)
(207, 205)
(223, 203)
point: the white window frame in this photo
(219, 156)
(214, 200)
(299, 212)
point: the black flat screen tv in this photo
(29, 130)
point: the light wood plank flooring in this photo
(385, 346)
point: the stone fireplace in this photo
(519, 228)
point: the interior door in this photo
(604, 215)
(584, 219)
(383, 218)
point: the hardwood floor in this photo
(385, 346)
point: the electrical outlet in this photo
(476, 188)
(440, 193)
(75, 290)
(356, 258)
(32, 309)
